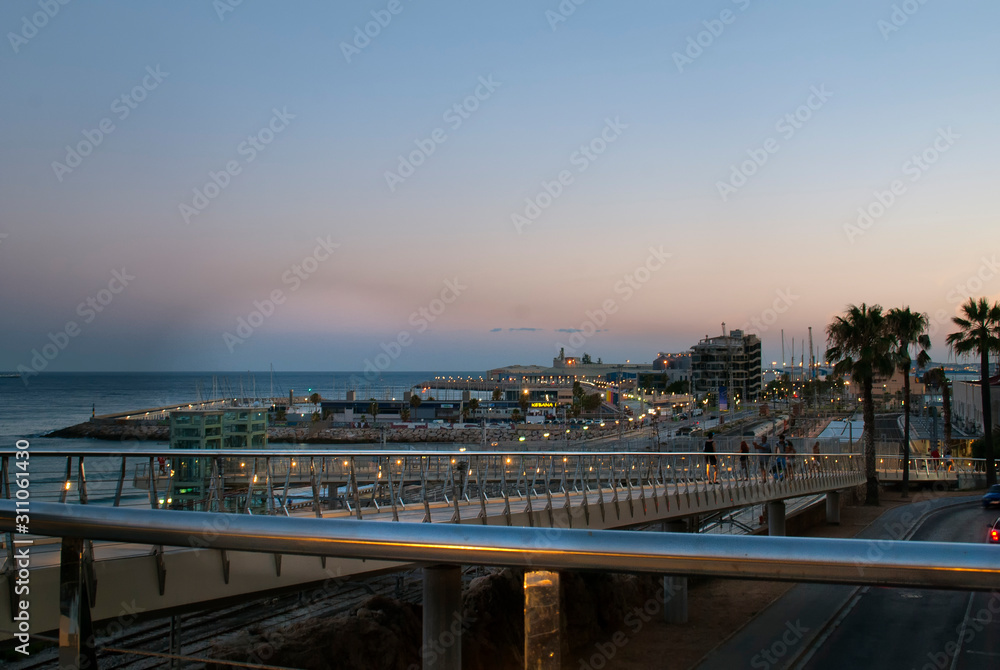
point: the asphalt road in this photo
(910, 628)
(825, 626)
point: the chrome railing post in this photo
(76, 639)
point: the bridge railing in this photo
(935, 468)
(275, 481)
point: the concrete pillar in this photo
(442, 635)
(675, 587)
(541, 620)
(833, 507)
(776, 518)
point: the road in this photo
(910, 628)
(826, 627)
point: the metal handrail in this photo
(839, 561)
(340, 453)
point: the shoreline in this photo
(534, 433)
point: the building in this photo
(210, 429)
(567, 369)
(731, 361)
(967, 404)
(890, 390)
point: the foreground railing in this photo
(903, 564)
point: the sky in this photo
(414, 185)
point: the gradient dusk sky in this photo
(637, 171)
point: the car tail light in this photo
(995, 535)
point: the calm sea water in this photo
(52, 401)
(57, 400)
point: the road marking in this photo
(961, 632)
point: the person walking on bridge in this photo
(712, 465)
(745, 461)
(763, 449)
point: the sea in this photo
(50, 401)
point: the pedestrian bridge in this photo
(574, 490)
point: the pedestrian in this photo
(936, 458)
(790, 450)
(712, 465)
(779, 459)
(947, 459)
(745, 460)
(163, 464)
(816, 465)
(763, 450)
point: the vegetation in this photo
(679, 387)
(780, 388)
(373, 409)
(415, 401)
(592, 402)
(908, 329)
(497, 394)
(979, 333)
(862, 347)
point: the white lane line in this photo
(961, 632)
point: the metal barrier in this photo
(374, 482)
(904, 564)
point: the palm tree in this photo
(373, 410)
(497, 394)
(474, 405)
(938, 378)
(415, 401)
(908, 329)
(980, 333)
(404, 413)
(861, 346)
(315, 399)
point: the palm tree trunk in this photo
(906, 434)
(946, 410)
(868, 412)
(991, 475)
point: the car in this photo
(992, 497)
(994, 537)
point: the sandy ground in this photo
(717, 608)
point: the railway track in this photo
(198, 632)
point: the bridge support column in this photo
(541, 620)
(442, 635)
(76, 638)
(833, 507)
(776, 518)
(675, 587)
